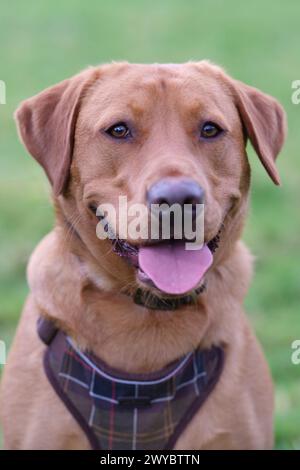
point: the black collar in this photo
(153, 302)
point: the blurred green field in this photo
(257, 42)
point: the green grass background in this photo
(258, 42)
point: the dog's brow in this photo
(136, 109)
(195, 110)
(201, 112)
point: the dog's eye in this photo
(119, 131)
(210, 130)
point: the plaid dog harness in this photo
(128, 411)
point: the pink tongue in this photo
(172, 268)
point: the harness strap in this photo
(46, 330)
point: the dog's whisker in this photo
(71, 228)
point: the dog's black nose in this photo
(174, 190)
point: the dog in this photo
(153, 133)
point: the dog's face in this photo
(155, 134)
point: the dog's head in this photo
(155, 134)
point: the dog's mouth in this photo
(167, 265)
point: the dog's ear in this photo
(264, 121)
(46, 125)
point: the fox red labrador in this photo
(141, 343)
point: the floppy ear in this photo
(264, 120)
(46, 125)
